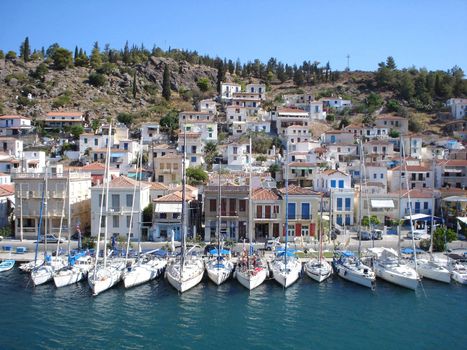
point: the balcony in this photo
(230, 213)
(271, 216)
(417, 211)
(59, 194)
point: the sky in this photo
(421, 33)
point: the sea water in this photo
(335, 314)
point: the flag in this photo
(251, 249)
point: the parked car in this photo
(364, 235)
(270, 243)
(418, 234)
(377, 234)
(1, 238)
(52, 239)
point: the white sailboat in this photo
(286, 268)
(319, 269)
(251, 270)
(106, 275)
(456, 265)
(186, 271)
(219, 267)
(345, 263)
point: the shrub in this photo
(97, 79)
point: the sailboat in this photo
(106, 275)
(146, 267)
(319, 269)
(41, 274)
(186, 271)
(345, 263)
(457, 267)
(286, 268)
(251, 270)
(387, 262)
(219, 267)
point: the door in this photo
(275, 230)
(312, 229)
(298, 229)
(339, 219)
(268, 211)
(417, 207)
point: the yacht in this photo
(350, 267)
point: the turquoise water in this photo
(333, 315)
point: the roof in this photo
(390, 117)
(171, 197)
(64, 114)
(411, 168)
(264, 194)
(14, 117)
(157, 186)
(291, 110)
(195, 112)
(7, 190)
(415, 193)
(301, 164)
(124, 182)
(296, 190)
(332, 172)
(453, 162)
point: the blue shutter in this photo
(305, 211)
(341, 183)
(347, 204)
(291, 212)
(339, 204)
(333, 183)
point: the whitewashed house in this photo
(458, 107)
(11, 146)
(59, 120)
(120, 204)
(228, 89)
(11, 125)
(259, 89)
(207, 105)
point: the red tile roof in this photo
(14, 117)
(264, 194)
(296, 190)
(416, 168)
(7, 190)
(64, 114)
(415, 193)
(333, 171)
(301, 164)
(453, 162)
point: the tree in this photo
(96, 58)
(2, 55)
(392, 106)
(220, 75)
(373, 220)
(210, 153)
(147, 215)
(406, 86)
(10, 55)
(441, 236)
(62, 58)
(25, 50)
(394, 133)
(97, 79)
(134, 85)
(203, 84)
(344, 123)
(76, 131)
(40, 72)
(169, 124)
(196, 175)
(125, 118)
(126, 54)
(95, 124)
(166, 83)
(299, 78)
(273, 169)
(390, 63)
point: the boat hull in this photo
(289, 277)
(250, 280)
(410, 282)
(7, 265)
(219, 275)
(192, 275)
(42, 274)
(317, 272)
(355, 277)
(141, 274)
(67, 277)
(459, 277)
(105, 279)
(433, 271)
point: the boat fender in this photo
(235, 274)
(345, 273)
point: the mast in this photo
(69, 213)
(432, 212)
(61, 225)
(250, 209)
(107, 185)
(360, 201)
(410, 205)
(21, 212)
(219, 213)
(320, 229)
(399, 206)
(286, 201)
(40, 224)
(46, 196)
(182, 215)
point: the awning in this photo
(168, 208)
(455, 199)
(452, 170)
(463, 219)
(300, 157)
(417, 216)
(382, 203)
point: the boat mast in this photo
(69, 212)
(40, 222)
(61, 225)
(320, 229)
(286, 201)
(360, 201)
(21, 212)
(101, 212)
(183, 215)
(46, 186)
(432, 211)
(107, 185)
(219, 213)
(410, 204)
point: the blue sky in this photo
(424, 33)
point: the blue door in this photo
(417, 207)
(339, 219)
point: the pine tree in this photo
(126, 54)
(96, 58)
(390, 63)
(25, 50)
(134, 85)
(76, 53)
(166, 83)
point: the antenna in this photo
(348, 63)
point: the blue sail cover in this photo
(223, 252)
(347, 253)
(410, 251)
(289, 253)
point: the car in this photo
(364, 235)
(51, 239)
(377, 234)
(270, 243)
(418, 234)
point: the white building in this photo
(7, 201)
(336, 103)
(14, 125)
(59, 120)
(208, 106)
(458, 107)
(150, 132)
(228, 89)
(194, 116)
(11, 146)
(238, 155)
(120, 204)
(259, 89)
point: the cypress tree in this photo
(25, 50)
(76, 53)
(134, 85)
(220, 75)
(166, 83)
(126, 54)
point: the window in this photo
(103, 221)
(116, 221)
(305, 230)
(305, 211)
(85, 140)
(291, 230)
(341, 183)
(95, 142)
(291, 209)
(347, 204)
(242, 205)
(128, 219)
(115, 201)
(425, 205)
(374, 176)
(129, 200)
(333, 183)
(259, 211)
(381, 176)
(339, 204)
(193, 159)
(212, 205)
(101, 201)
